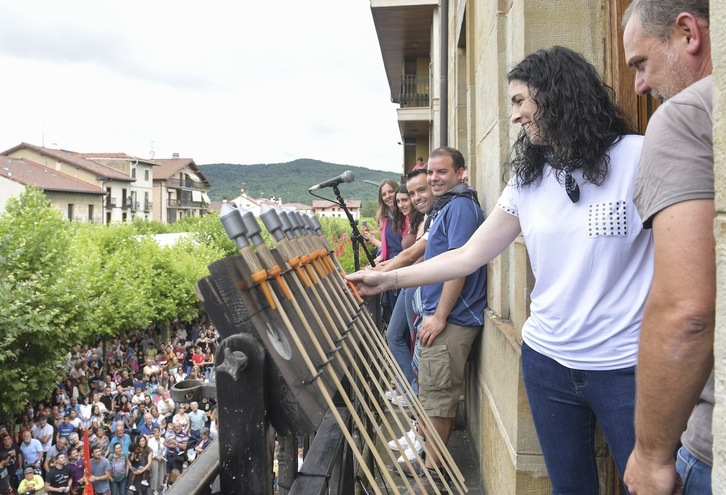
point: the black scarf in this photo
(461, 189)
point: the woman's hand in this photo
(370, 282)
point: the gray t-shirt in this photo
(99, 469)
(677, 165)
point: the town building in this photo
(75, 199)
(446, 62)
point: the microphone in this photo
(346, 176)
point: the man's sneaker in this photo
(428, 487)
(410, 438)
(415, 469)
(144, 482)
(132, 488)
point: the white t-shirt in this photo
(592, 262)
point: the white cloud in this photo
(224, 81)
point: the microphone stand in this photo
(356, 237)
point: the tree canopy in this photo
(64, 283)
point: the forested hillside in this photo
(290, 181)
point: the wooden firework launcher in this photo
(300, 355)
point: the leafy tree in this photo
(42, 303)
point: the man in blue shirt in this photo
(453, 311)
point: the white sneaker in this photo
(399, 400)
(132, 488)
(410, 438)
(411, 456)
(144, 482)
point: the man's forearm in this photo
(407, 257)
(676, 344)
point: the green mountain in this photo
(290, 181)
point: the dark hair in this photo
(456, 157)
(575, 113)
(658, 16)
(399, 219)
(414, 173)
(383, 210)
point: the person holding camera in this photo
(15, 463)
(5, 459)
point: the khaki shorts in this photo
(441, 370)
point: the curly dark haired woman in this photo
(574, 164)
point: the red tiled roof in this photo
(171, 166)
(30, 173)
(74, 159)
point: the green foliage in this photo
(42, 302)
(290, 181)
(64, 283)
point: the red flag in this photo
(88, 488)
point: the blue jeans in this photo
(696, 475)
(120, 487)
(566, 405)
(397, 335)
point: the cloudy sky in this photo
(232, 81)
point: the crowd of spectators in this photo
(120, 392)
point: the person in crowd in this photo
(74, 420)
(176, 442)
(59, 479)
(213, 423)
(197, 420)
(65, 428)
(119, 467)
(204, 440)
(97, 415)
(15, 464)
(140, 459)
(181, 417)
(43, 432)
(76, 467)
(152, 385)
(158, 418)
(100, 439)
(84, 389)
(667, 43)
(85, 411)
(100, 475)
(574, 165)
(32, 450)
(120, 437)
(31, 483)
(60, 447)
(5, 488)
(158, 461)
(147, 427)
(60, 398)
(208, 365)
(165, 404)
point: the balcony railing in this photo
(185, 203)
(147, 205)
(187, 184)
(111, 202)
(414, 91)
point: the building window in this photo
(90, 213)
(146, 175)
(133, 172)
(70, 211)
